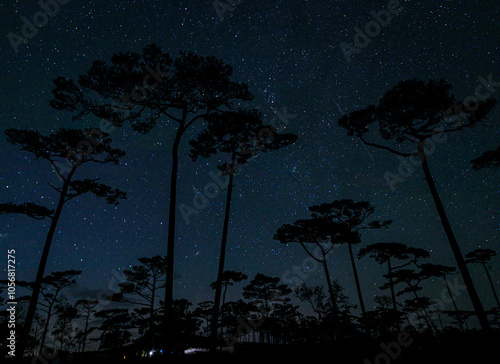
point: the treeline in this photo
(264, 314)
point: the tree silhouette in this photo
(51, 292)
(284, 323)
(204, 312)
(53, 148)
(141, 289)
(52, 286)
(186, 323)
(184, 90)
(35, 333)
(384, 319)
(232, 132)
(442, 271)
(384, 252)
(351, 216)
(316, 299)
(85, 308)
(333, 318)
(265, 294)
(309, 232)
(495, 312)
(234, 313)
(419, 306)
(483, 256)
(63, 328)
(52, 298)
(489, 159)
(114, 328)
(460, 317)
(229, 277)
(412, 279)
(413, 112)
(383, 302)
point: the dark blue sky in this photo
(289, 54)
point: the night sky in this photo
(289, 54)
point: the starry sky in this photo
(289, 54)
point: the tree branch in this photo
(310, 254)
(386, 148)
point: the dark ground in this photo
(457, 348)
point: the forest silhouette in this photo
(142, 320)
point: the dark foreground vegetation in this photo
(470, 348)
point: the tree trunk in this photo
(440, 321)
(356, 279)
(152, 310)
(101, 341)
(169, 280)
(47, 323)
(391, 283)
(454, 304)
(85, 331)
(222, 313)
(393, 296)
(491, 284)
(63, 329)
(218, 283)
(328, 281)
(471, 289)
(424, 311)
(407, 319)
(41, 267)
